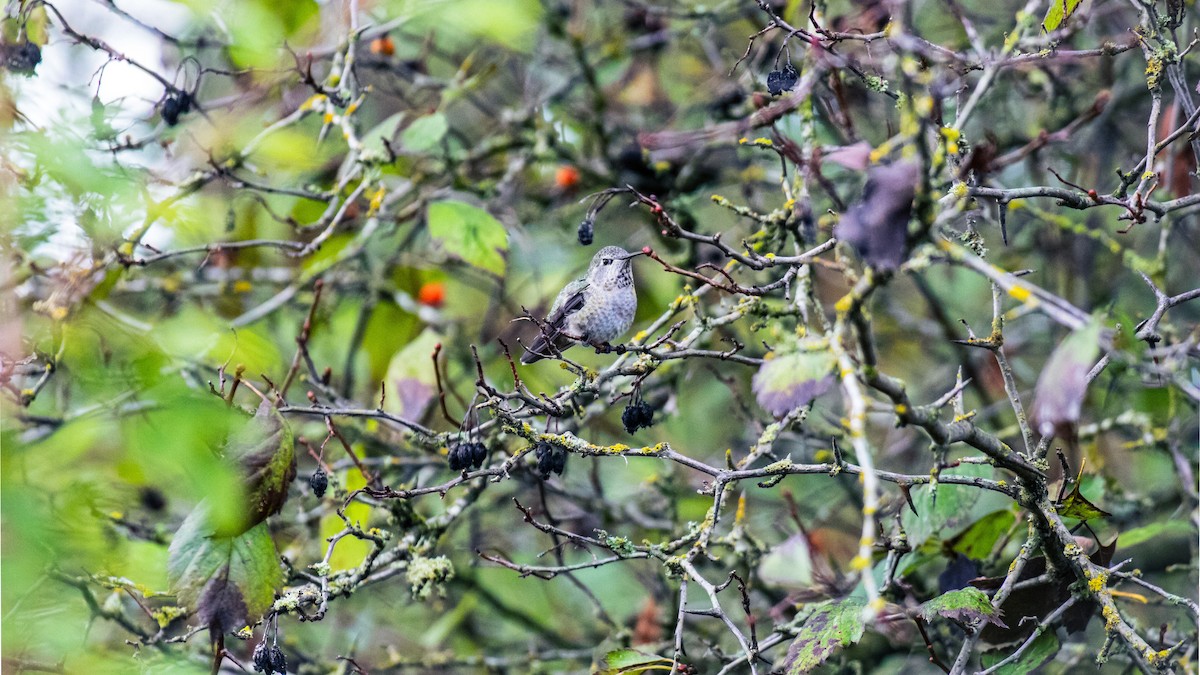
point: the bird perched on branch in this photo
(594, 310)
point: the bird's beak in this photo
(634, 255)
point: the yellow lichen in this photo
(1111, 618)
(1020, 293)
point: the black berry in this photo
(262, 657)
(278, 661)
(478, 454)
(550, 459)
(779, 81)
(174, 106)
(457, 460)
(463, 456)
(586, 232)
(319, 482)
(637, 416)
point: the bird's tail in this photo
(543, 346)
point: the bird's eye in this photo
(608, 261)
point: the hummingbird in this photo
(595, 309)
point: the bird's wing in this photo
(569, 301)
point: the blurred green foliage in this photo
(430, 162)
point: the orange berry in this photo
(566, 177)
(383, 45)
(432, 294)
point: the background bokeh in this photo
(430, 163)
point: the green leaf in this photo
(1075, 505)
(469, 233)
(425, 133)
(373, 140)
(411, 383)
(291, 151)
(954, 507)
(978, 540)
(789, 380)
(227, 581)
(257, 34)
(471, 23)
(830, 626)
(1156, 402)
(623, 661)
(1059, 11)
(265, 449)
(788, 564)
(964, 604)
(1156, 531)
(1035, 655)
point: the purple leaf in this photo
(1058, 398)
(877, 226)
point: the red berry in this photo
(432, 294)
(567, 177)
(383, 45)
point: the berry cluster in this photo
(550, 459)
(779, 81)
(638, 415)
(269, 659)
(467, 455)
(319, 482)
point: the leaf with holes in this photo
(470, 233)
(828, 628)
(227, 581)
(965, 604)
